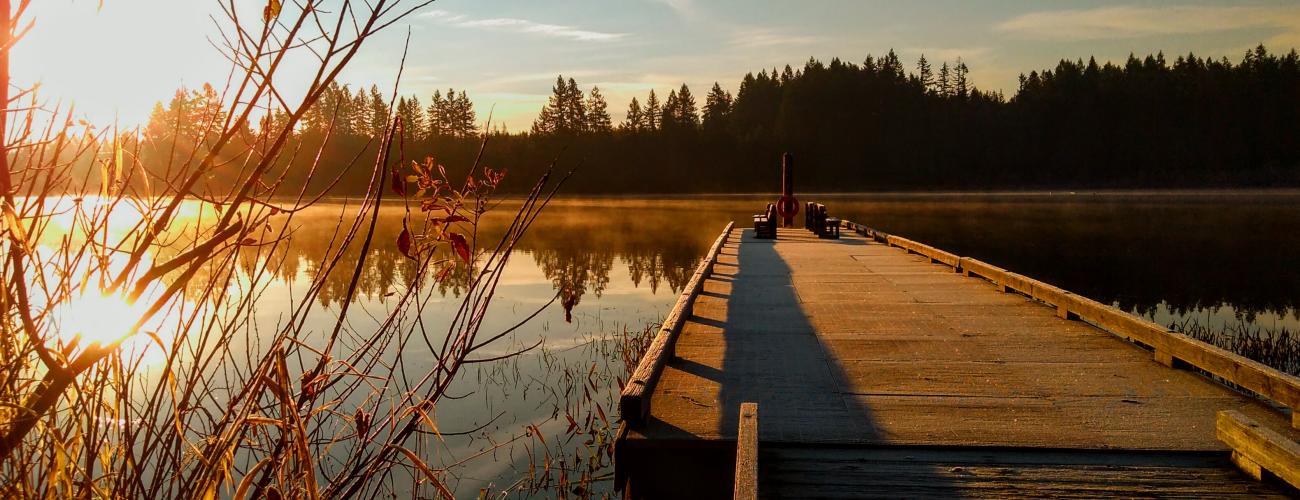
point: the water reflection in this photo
(576, 245)
(1223, 256)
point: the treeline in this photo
(881, 124)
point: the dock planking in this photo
(853, 348)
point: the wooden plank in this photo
(806, 472)
(747, 453)
(634, 402)
(1171, 349)
(1257, 449)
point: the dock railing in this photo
(1170, 348)
(634, 402)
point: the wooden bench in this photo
(817, 221)
(831, 228)
(765, 223)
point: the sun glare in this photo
(93, 318)
(97, 318)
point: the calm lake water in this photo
(619, 263)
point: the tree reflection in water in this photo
(1163, 255)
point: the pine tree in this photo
(412, 116)
(635, 121)
(945, 80)
(652, 112)
(463, 122)
(361, 111)
(597, 112)
(564, 112)
(685, 112)
(960, 84)
(668, 114)
(378, 113)
(437, 121)
(891, 66)
(925, 74)
(717, 108)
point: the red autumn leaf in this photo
(248, 241)
(455, 218)
(459, 244)
(399, 184)
(404, 242)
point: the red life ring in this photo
(787, 206)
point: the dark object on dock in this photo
(765, 223)
(822, 225)
(787, 205)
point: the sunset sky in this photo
(119, 60)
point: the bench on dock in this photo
(822, 225)
(765, 223)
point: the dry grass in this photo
(1278, 348)
(163, 263)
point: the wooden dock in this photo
(883, 367)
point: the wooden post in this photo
(747, 453)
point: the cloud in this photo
(684, 8)
(1132, 22)
(752, 38)
(515, 25)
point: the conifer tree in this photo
(564, 112)
(361, 113)
(668, 114)
(652, 112)
(635, 120)
(945, 80)
(925, 74)
(462, 120)
(960, 86)
(684, 111)
(597, 112)
(437, 121)
(378, 113)
(717, 108)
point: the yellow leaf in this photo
(271, 11)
